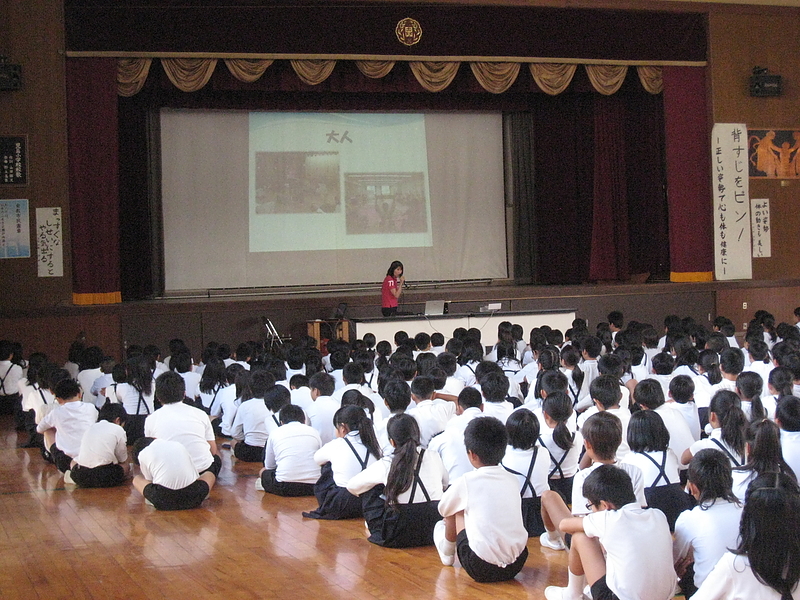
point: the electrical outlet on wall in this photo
(744, 305)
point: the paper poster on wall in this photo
(731, 189)
(49, 242)
(15, 234)
(762, 228)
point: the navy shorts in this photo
(482, 571)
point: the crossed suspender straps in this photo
(661, 469)
(363, 462)
(734, 460)
(527, 477)
(139, 404)
(3, 391)
(558, 462)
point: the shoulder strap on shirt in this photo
(41, 393)
(139, 404)
(275, 418)
(661, 468)
(3, 379)
(556, 462)
(418, 481)
(734, 460)
(214, 399)
(363, 462)
(527, 483)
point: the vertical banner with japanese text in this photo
(15, 231)
(731, 188)
(762, 228)
(49, 242)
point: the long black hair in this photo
(403, 430)
(355, 419)
(393, 266)
(558, 407)
(727, 407)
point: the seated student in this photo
(703, 534)
(437, 343)
(353, 378)
(591, 348)
(289, 465)
(339, 359)
(763, 456)
(649, 395)
(353, 450)
(731, 363)
(179, 422)
(301, 393)
(749, 387)
(530, 463)
(212, 382)
(662, 366)
(471, 357)
(64, 426)
(681, 398)
(230, 397)
(728, 429)
(561, 440)
(483, 510)
(397, 397)
(708, 367)
(602, 434)
(449, 444)
(764, 563)
(570, 366)
(10, 376)
(432, 415)
(787, 416)
(136, 395)
(181, 363)
(250, 430)
(295, 361)
(607, 395)
(548, 361)
(320, 413)
(102, 458)
(453, 385)
(620, 549)
(400, 493)
(494, 388)
(37, 399)
(169, 479)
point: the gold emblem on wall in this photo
(408, 31)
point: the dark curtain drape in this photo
(609, 252)
(518, 136)
(688, 159)
(91, 86)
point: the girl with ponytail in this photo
(727, 419)
(561, 440)
(749, 386)
(353, 450)
(400, 493)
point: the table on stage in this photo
(384, 328)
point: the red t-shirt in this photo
(387, 298)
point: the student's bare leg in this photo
(209, 478)
(139, 483)
(554, 510)
(586, 558)
(451, 529)
(49, 438)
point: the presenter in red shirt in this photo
(392, 288)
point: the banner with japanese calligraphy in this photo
(762, 228)
(49, 242)
(731, 188)
(15, 231)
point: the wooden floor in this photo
(58, 541)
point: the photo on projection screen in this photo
(304, 163)
(258, 199)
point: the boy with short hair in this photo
(449, 444)
(289, 466)
(621, 549)
(483, 510)
(431, 415)
(64, 426)
(787, 416)
(103, 452)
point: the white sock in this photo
(553, 536)
(575, 585)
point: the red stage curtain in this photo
(609, 253)
(93, 186)
(688, 158)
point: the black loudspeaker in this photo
(763, 86)
(10, 77)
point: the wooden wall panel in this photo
(32, 36)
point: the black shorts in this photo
(60, 459)
(482, 571)
(248, 453)
(104, 476)
(284, 488)
(164, 498)
(601, 591)
(389, 312)
(215, 467)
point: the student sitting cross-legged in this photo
(621, 549)
(482, 510)
(102, 458)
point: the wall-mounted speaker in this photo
(762, 86)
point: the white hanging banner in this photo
(731, 188)
(49, 242)
(762, 228)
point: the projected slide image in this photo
(385, 203)
(296, 182)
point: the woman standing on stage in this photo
(392, 288)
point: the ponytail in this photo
(782, 379)
(355, 419)
(727, 406)
(709, 361)
(558, 407)
(750, 385)
(403, 430)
